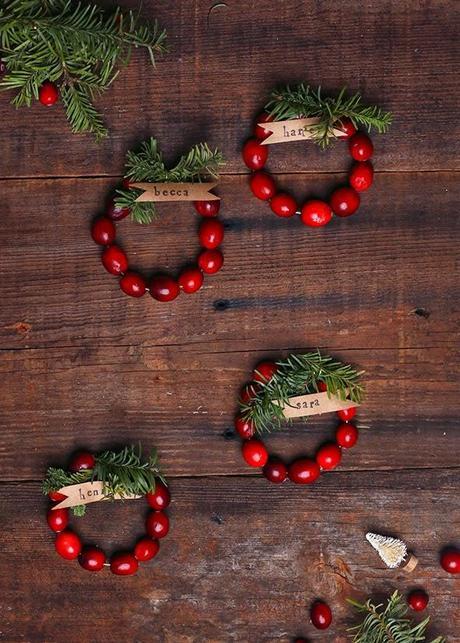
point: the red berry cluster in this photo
(69, 546)
(161, 287)
(343, 202)
(302, 470)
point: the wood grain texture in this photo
(401, 54)
(82, 365)
(242, 561)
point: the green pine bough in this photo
(301, 101)
(389, 623)
(77, 46)
(147, 166)
(123, 473)
(299, 375)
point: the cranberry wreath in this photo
(329, 119)
(107, 476)
(309, 384)
(147, 166)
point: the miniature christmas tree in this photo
(392, 551)
(388, 624)
(71, 49)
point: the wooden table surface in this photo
(83, 366)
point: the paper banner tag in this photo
(315, 404)
(85, 493)
(175, 191)
(296, 129)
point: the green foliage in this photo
(147, 166)
(76, 45)
(297, 375)
(388, 624)
(301, 101)
(123, 473)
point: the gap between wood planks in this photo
(118, 177)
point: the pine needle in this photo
(297, 375)
(76, 45)
(301, 101)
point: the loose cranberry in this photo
(450, 560)
(146, 549)
(347, 127)
(210, 261)
(283, 205)
(123, 564)
(255, 453)
(303, 471)
(92, 559)
(361, 176)
(360, 146)
(321, 615)
(316, 213)
(255, 155)
(346, 435)
(190, 280)
(418, 600)
(81, 461)
(211, 233)
(262, 185)
(344, 201)
(114, 260)
(249, 392)
(116, 213)
(347, 414)
(264, 371)
(261, 132)
(48, 93)
(164, 288)
(160, 498)
(103, 231)
(133, 284)
(68, 545)
(244, 428)
(157, 524)
(328, 456)
(275, 471)
(207, 208)
(57, 519)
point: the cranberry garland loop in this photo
(126, 475)
(147, 166)
(333, 114)
(261, 410)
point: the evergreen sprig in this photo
(147, 166)
(388, 624)
(298, 375)
(301, 101)
(76, 45)
(123, 473)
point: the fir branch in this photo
(301, 101)
(123, 474)
(78, 46)
(147, 166)
(388, 625)
(297, 375)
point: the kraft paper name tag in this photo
(85, 493)
(315, 404)
(296, 129)
(176, 192)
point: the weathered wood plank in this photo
(241, 563)
(183, 400)
(360, 282)
(223, 61)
